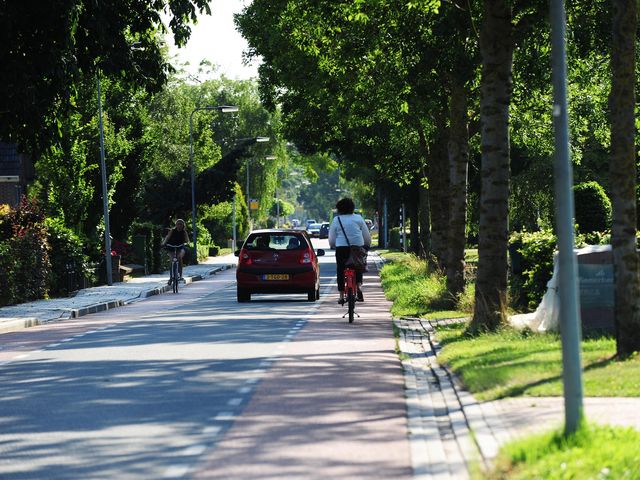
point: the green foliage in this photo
(65, 254)
(414, 288)
(531, 255)
(593, 451)
(593, 207)
(531, 266)
(48, 48)
(395, 241)
(281, 208)
(203, 236)
(218, 220)
(24, 260)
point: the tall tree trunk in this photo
(414, 215)
(458, 164)
(496, 46)
(622, 171)
(425, 220)
(438, 176)
(380, 215)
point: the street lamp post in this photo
(219, 108)
(243, 142)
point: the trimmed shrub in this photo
(25, 258)
(69, 265)
(593, 207)
(532, 263)
(534, 254)
(218, 220)
(153, 238)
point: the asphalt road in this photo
(146, 391)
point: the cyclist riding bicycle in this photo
(177, 236)
(357, 234)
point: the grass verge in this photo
(509, 363)
(416, 289)
(593, 452)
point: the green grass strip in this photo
(593, 452)
(510, 363)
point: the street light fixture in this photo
(219, 108)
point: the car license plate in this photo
(276, 276)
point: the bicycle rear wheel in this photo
(351, 302)
(176, 276)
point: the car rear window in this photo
(266, 241)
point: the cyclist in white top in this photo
(357, 234)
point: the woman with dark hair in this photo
(347, 229)
(177, 236)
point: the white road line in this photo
(222, 416)
(234, 402)
(21, 356)
(244, 390)
(194, 450)
(212, 430)
(253, 380)
(67, 340)
(53, 345)
(176, 471)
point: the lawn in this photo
(593, 452)
(509, 363)
(417, 290)
(512, 363)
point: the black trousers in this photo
(342, 254)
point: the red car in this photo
(278, 261)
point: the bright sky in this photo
(215, 38)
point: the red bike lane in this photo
(332, 406)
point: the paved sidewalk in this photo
(450, 430)
(97, 299)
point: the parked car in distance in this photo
(310, 221)
(324, 230)
(278, 261)
(313, 230)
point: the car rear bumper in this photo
(300, 282)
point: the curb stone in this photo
(55, 312)
(450, 432)
(101, 307)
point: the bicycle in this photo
(350, 292)
(174, 271)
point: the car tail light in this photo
(306, 256)
(245, 259)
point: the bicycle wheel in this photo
(351, 302)
(175, 276)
